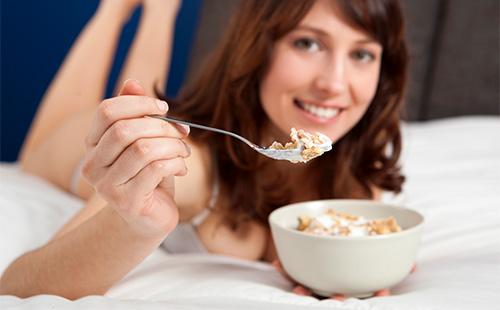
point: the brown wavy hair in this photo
(225, 95)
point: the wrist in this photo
(134, 229)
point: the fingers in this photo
(125, 132)
(151, 176)
(381, 293)
(134, 158)
(384, 292)
(339, 297)
(414, 268)
(143, 152)
(112, 110)
(141, 186)
(300, 290)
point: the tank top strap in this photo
(200, 217)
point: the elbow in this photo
(8, 287)
(12, 284)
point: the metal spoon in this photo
(293, 155)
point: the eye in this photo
(363, 56)
(307, 44)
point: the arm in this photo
(85, 261)
(79, 84)
(131, 162)
(149, 56)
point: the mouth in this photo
(320, 112)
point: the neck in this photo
(272, 133)
(299, 177)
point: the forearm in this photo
(86, 261)
(81, 80)
(149, 57)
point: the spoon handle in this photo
(178, 121)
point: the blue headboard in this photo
(35, 37)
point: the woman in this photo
(335, 67)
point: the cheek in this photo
(287, 74)
(365, 88)
(278, 72)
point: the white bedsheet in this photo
(453, 179)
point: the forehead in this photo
(327, 16)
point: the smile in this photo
(320, 112)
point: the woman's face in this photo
(322, 75)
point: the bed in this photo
(453, 179)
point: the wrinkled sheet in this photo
(453, 179)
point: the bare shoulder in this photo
(192, 191)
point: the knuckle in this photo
(106, 110)
(120, 131)
(167, 166)
(141, 148)
(158, 165)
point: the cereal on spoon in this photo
(311, 145)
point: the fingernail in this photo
(128, 80)
(162, 105)
(185, 128)
(188, 148)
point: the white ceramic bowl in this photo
(353, 266)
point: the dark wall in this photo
(454, 50)
(35, 37)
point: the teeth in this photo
(319, 111)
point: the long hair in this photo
(225, 95)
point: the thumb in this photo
(131, 88)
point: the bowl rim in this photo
(418, 226)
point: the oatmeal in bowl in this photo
(346, 246)
(332, 223)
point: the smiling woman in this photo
(327, 74)
(337, 67)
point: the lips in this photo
(321, 112)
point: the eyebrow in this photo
(323, 33)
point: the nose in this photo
(331, 78)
